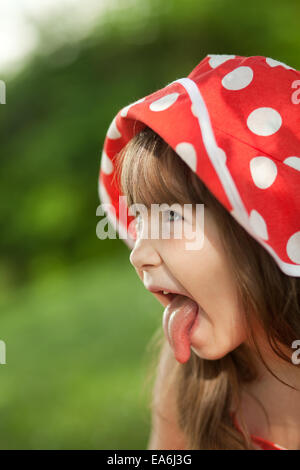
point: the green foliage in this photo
(76, 360)
(75, 316)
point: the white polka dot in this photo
(106, 164)
(294, 162)
(218, 59)
(164, 103)
(274, 63)
(237, 79)
(124, 111)
(263, 171)
(258, 224)
(113, 131)
(264, 121)
(188, 153)
(293, 247)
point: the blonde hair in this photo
(149, 171)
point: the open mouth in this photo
(170, 296)
(166, 298)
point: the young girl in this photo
(226, 137)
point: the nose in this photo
(144, 255)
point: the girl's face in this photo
(203, 274)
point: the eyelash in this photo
(164, 212)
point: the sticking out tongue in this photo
(178, 319)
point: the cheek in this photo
(217, 335)
(227, 315)
(233, 326)
(230, 329)
(222, 327)
(174, 255)
(178, 252)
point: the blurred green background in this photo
(76, 320)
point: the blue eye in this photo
(171, 212)
(175, 213)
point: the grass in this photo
(76, 359)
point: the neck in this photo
(280, 401)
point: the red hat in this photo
(235, 121)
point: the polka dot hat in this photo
(235, 121)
